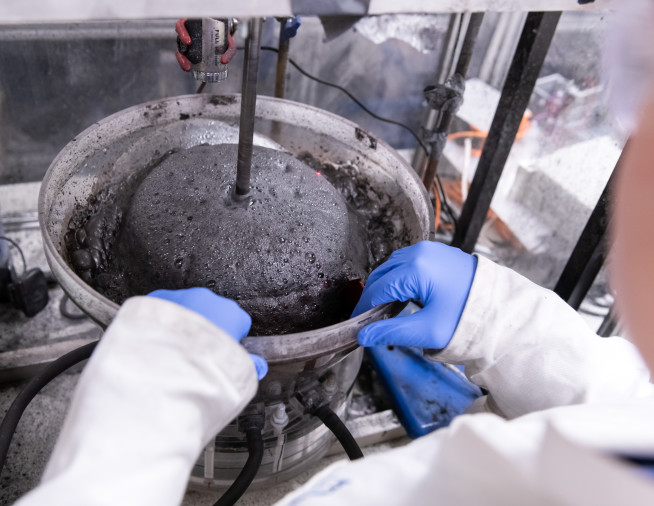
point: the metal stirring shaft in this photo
(248, 107)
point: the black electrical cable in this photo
(446, 205)
(352, 97)
(338, 428)
(45, 376)
(63, 309)
(15, 245)
(249, 471)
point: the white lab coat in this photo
(562, 402)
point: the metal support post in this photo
(468, 45)
(444, 68)
(461, 69)
(248, 107)
(574, 285)
(590, 251)
(282, 61)
(527, 61)
(452, 37)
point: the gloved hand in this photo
(185, 38)
(223, 313)
(432, 274)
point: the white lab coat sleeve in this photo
(564, 457)
(161, 383)
(531, 351)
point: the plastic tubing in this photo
(338, 428)
(45, 376)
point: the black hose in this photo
(249, 471)
(338, 428)
(45, 376)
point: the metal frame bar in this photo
(462, 64)
(77, 10)
(534, 43)
(443, 70)
(452, 40)
(590, 251)
(284, 46)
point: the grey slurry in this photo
(287, 252)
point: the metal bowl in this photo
(110, 150)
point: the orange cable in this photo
(437, 207)
(524, 127)
(467, 133)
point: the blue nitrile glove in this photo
(437, 276)
(223, 313)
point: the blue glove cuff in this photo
(466, 286)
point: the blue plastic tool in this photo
(425, 395)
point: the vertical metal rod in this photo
(461, 68)
(282, 62)
(248, 107)
(430, 171)
(527, 61)
(419, 155)
(209, 460)
(584, 278)
(445, 63)
(463, 29)
(589, 253)
(490, 57)
(503, 60)
(430, 116)
(468, 45)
